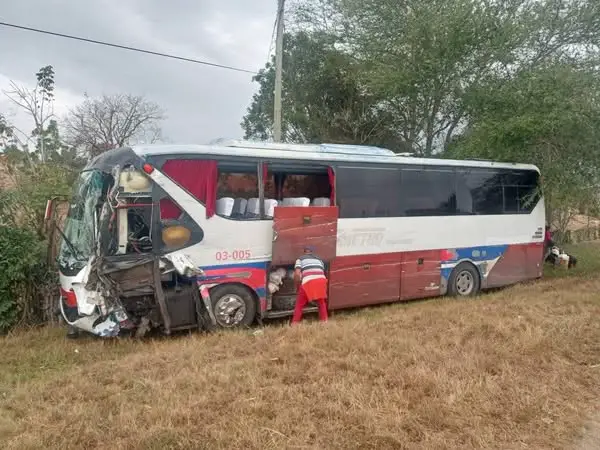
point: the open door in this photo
(294, 228)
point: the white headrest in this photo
(302, 201)
(225, 206)
(321, 201)
(240, 205)
(270, 205)
(253, 207)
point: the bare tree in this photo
(37, 102)
(111, 121)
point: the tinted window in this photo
(479, 191)
(428, 192)
(511, 199)
(425, 191)
(369, 192)
(521, 192)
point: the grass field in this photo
(519, 368)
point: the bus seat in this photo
(253, 208)
(239, 207)
(321, 201)
(302, 201)
(287, 201)
(270, 205)
(224, 206)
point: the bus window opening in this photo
(299, 186)
(237, 191)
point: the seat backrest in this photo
(321, 201)
(287, 201)
(224, 206)
(302, 201)
(270, 205)
(239, 207)
(253, 208)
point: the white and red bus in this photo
(184, 236)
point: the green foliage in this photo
(26, 283)
(19, 267)
(549, 117)
(323, 98)
(421, 59)
(45, 81)
(24, 205)
(27, 286)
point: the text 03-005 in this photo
(232, 255)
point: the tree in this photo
(112, 121)
(422, 58)
(6, 133)
(38, 103)
(323, 98)
(549, 117)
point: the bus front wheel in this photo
(464, 281)
(233, 305)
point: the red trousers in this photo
(302, 299)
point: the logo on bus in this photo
(361, 238)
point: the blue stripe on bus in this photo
(475, 254)
(483, 253)
(252, 265)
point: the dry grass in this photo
(513, 369)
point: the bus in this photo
(175, 237)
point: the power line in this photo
(126, 47)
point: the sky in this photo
(201, 103)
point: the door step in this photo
(278, 314)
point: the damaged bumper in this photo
(117, 294)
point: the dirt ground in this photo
(518, 368)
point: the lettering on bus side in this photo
(233, 255)
(361, 238)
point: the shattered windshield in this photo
(80, 224)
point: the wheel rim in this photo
(230, 310)
(465, 282)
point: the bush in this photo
(20, 269)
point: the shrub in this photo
(20, 269)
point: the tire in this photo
(234, 306)
(464, 281)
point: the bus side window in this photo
(521, 193)
(237, 191)
(368, 192)
(428, 192)
(485, 188)
(299, 186)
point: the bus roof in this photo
(313, 152)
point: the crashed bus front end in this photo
(114, 278)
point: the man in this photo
(311, 285)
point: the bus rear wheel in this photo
(464, 281)
(233, 305)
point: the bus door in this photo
(295, 228)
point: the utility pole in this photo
(278, 69)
